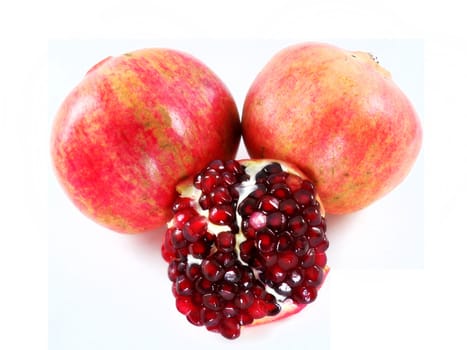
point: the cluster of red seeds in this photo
(282, 238)
(285, 234)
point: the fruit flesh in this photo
(239, 273)
(358, 134)
(130, 131)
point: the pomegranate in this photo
(134, 127)
(246, 244)
(340, 116)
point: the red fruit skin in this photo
(339, 116)
(135, 126)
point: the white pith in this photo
(244, 189)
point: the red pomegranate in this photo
(246, 245)
(339, 116)
(135, 126)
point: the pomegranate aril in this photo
(284, 289)
(183, 286)
(194, 316)
(172, 270)
(228, 290)
(280, 191)
(303, 197)
(301, 246)
(232, 274)
(199, 250)
(244, 299)
(225, 259)
(230, 327)
(287, 260)
(260, 191)
(304, 294)
(247, 206)
(177, 238)
(216, 165)
(209, 180)
(195, 228)
(209, 317)
(225, 241)
(312, 215)
(266, 241)
(283, 242)
(276, 274)
(182, 216)
(228, 178)
(298, 226)
(230, 310)
(276, 221)
(221, 215)
(313, 276)
(203, 285)
(213, 301)
(294, 278)
(220, 195)
(257, 220)
(183, 304)
(294, 182)
(204, 202)
(234, 167)
(211, 270)
(272, 168)
(320, 259)
(268, 204)
(245, 318)
(289, 207)
(247, 278)
(193, 271)
(181, 203)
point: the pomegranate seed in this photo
(287, 260)
(244, 299)
(257, 220)
(268, 204)
(225, 241)
(221, 215)
(209, 180)
(230, 328)
(276, 274)
(247, 207)
(181, 203)
(195, 228)
(193, 271)
(313, 276)
(289, 207)
(210, 318)
(303, 197)
(184, 304)
(305, 294)
(183, 215)
(194, 316)
(276, 221)
(220, 195)
(232, 274)
(265, 241)
(280, 191)
(216, 165)
(312, 216)
(198, 249)
(294, 182)
(225, 259)
(294, 278)
(177, 238)
(298, 226)
(172, 271)
(228, 290)
(183, 285)
(211, 270)
(213, 301)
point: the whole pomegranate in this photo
(134, 127)
(246, 244)
(339, 116)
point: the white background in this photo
(382, 306)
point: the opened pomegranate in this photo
(130, 131)
(246, 244)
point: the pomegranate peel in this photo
(246, 244)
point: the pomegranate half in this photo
(246, 244)
(135, 126)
